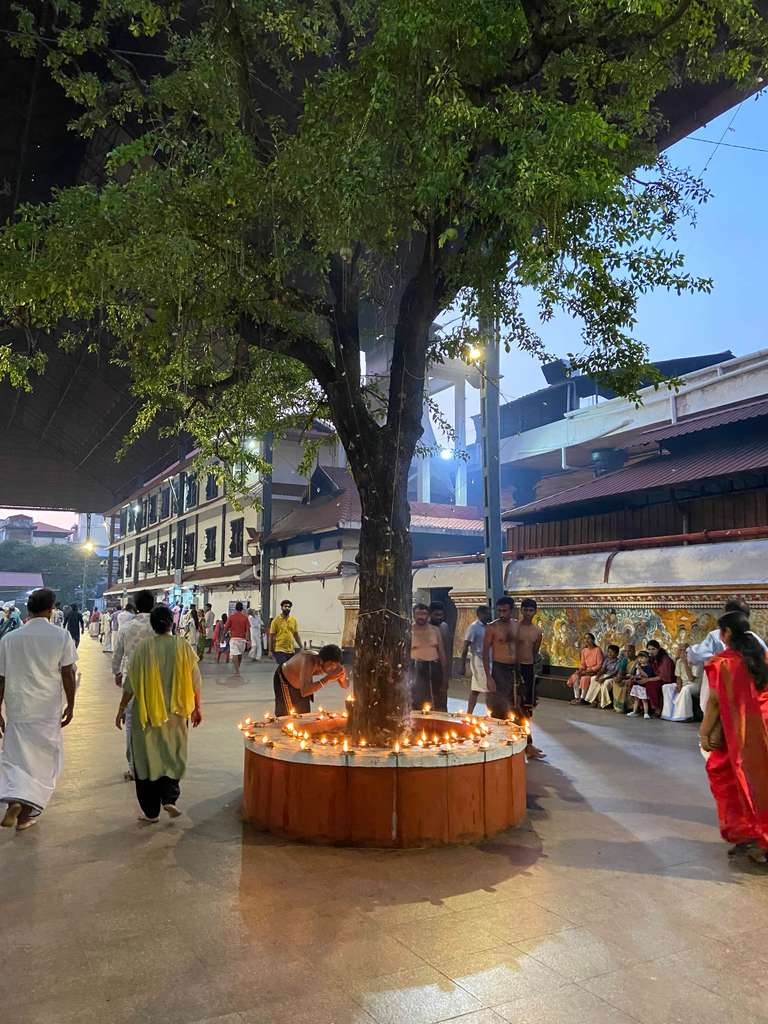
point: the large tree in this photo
(287, 182)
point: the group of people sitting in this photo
(649, 682)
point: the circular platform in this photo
(464, 784)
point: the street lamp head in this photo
(88, 546)
(474, 354)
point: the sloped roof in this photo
(341, 508)
(47, 528)
(722, 417)
(21, 580)
(661, 471)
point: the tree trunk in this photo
(383, 640)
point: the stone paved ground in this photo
(615, 904)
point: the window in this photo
(210, 544)
(172, 563)
(174, 501)
(191, 492)
(152, 509)
(128, 566)
(189, 549)
(236, 538)
(151, 558)
(123, 522)
(165, 502)
(120, 567)
(131, 519)
(162, 556)
(211, 487)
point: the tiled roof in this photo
(21, 580)
(342, 508)
(722, 417)
(47, 528)
(661, 471)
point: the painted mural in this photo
(564, 627)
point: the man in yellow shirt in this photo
(284, 634)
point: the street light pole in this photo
(490, 443)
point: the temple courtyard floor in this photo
(616, 903)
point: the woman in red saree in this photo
(735, 733)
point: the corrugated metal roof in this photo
(342, 508)
(709, 420)
(661, 471)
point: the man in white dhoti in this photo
(255, 636)
(699, 654)
(37, 661)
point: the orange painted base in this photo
(384, 807)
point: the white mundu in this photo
(31, 660)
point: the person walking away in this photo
(663, 674)
(284, 634)
(73, 623)
(111, 630)
(428, 661)
(639, 692)
(221, 638)
(37, 662)
(163, 681)
(500, 659)
(699, 654)
(104, 628)
(201, 636)
(128, 639)
(734, 733)
(94, 624)
(600, 689)
(238, 630)
(590, 664)
(437, 618)
(255, 634)
(210, 622)
(678, 697)
(473, 649)
(124, 616)
(57, 616)
(296, 680)
(529, 638)
(191, 630)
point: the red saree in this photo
(738, 774)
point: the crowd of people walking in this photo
(156, 653)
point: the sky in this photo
(726, 244)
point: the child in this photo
(642, 672)
(221, 639)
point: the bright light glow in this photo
(88, 546)
(446, 454)
(474, 353)
(137, 507)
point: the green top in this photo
(160, 750)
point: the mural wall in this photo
(564, 628)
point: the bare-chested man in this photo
(429, 662)
(500, 645)
(304, 674)
(529, 638)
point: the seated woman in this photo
(599, 692)
(620, 685)
(735, 735)
(678, 696)
(591, 662)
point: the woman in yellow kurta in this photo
(163, 677)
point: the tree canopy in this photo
(287, 182)
(61, 566)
